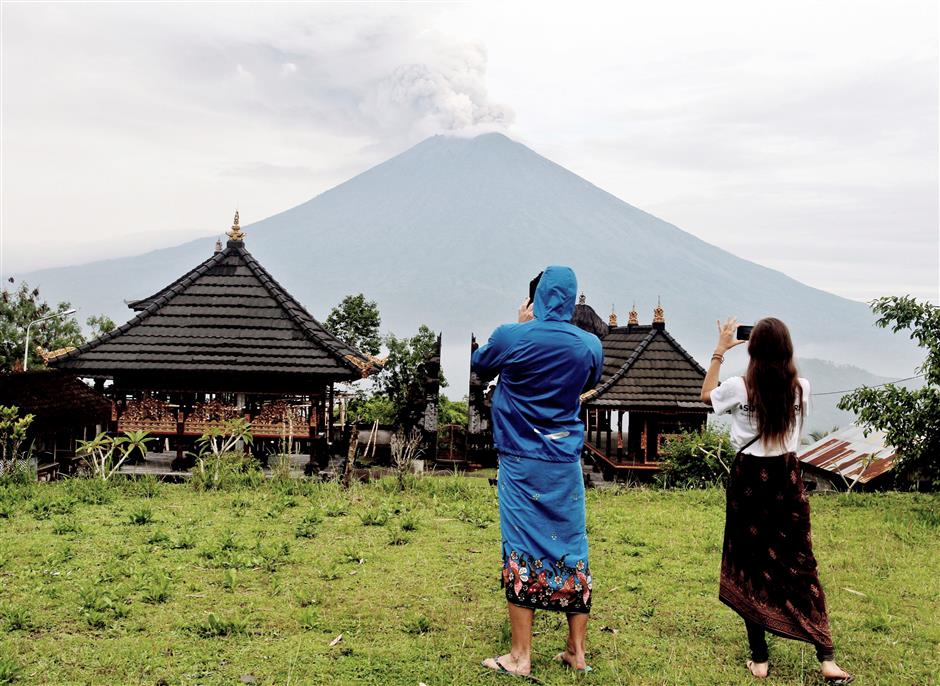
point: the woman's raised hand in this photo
(727, 335)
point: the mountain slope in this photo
(449, 233)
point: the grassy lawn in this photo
(146, 583)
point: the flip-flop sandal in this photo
(567, 665)
(749, 663)
(501, 669)
(839, 680)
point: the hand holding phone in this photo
(533, 285)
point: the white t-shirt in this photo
(731, 397)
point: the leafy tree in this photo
(910, 419)
(403, 375)
(100, 324)
(356, 321)
(453, 411)
(19, 307)
(370, 408)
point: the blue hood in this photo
(556, 294)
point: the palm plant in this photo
(105, 454)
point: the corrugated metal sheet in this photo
(847, 452)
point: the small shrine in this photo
(650, 388)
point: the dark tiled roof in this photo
(587, 319)
(56, 398)
(228, 315)
(645, 367)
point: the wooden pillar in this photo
(643, 440)
(619, 435)
(329, 413)
(652, 450)
(607, 420)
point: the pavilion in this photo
(225, 340)
(650, 381)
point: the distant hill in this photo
(449, 232)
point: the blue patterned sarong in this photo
(544, 535)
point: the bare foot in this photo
(830, 670)
(760, 670)
(573, 660)
(508, 663)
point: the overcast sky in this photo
(800, 135)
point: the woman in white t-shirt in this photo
(768, 571)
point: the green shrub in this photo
(9, 670)
(417, 625)
(399, 539)
(304, 598)
(66, 526)
(309, 525)
(696, 459)
(409, 523)
(141, 516)
(226, 471)
(44, 507)
(374, 517)
(90, 491)
(476, 514)
(214, 626)
(308, 618)
(15, 618)
(185, 541)
(336, 508)
(156, 589)
(147, 486)
(158, 537)
(230, 580)
(98, 606)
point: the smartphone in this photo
(744, 332)
(533, 284)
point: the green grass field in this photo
(145, 583)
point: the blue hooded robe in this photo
(544, 365)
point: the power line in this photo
(887, 383)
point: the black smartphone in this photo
(533, 284)
(744, 332)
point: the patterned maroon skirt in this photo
(768, 571)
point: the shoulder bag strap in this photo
(749, 444)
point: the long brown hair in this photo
(772, 381)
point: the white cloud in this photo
(766, 128)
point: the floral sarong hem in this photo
(541, 585)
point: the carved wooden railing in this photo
(148, 414)
(279, 419)
(207, 415)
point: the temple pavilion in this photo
(650, 388)
(225, 340)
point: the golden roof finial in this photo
(634, 316)
(612, 320)
(236, 233)
(659, 315)
(581, 299)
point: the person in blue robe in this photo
(544, 364)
